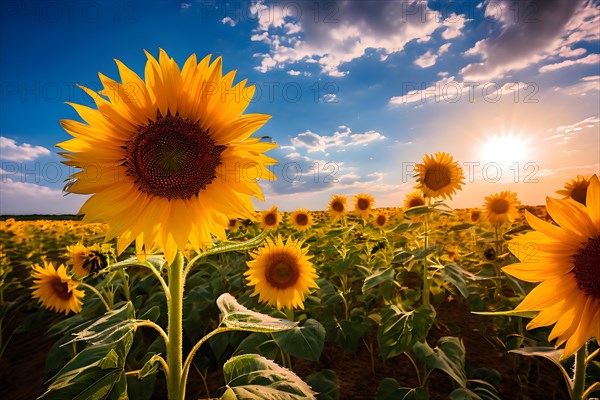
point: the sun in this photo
(505, 149)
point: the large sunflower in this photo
(301, 219)
(576, 189)
(414, 199)
(439, 176)
(55, 289)
(363, 204)
(281, 273)
(270, 219)
(501, 207)
(337, 206)
(169, 159)
(566, 260)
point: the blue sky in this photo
(358, 91)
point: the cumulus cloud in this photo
(334, 33)
(11, 151)
(342, 138)
(430, 57)
(228, 21)
(546, 25)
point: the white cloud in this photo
(293, 72)
(228, 21)
(585, 85)
(588, 60)
(429, 58)
(454, 25)
(446, 89)
(185, 6)
(562, 134)
(30, 198)
(11, 151)
(330, 98)
(343, 138)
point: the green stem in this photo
(97, 293)
(496, 266)
(175, 330)
(425, 293)
(579, 379)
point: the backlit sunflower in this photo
(439, 176)
(576, 189)
(380, 220)
(55, 289)
(363, 204)
(301, 219)
(475, 215)
(501, 207)
(281, 273)
(414, 199)
(270, 219)
(169, 159)
(337, 206)
(86, 260)
(566, 260)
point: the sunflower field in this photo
(174, 286)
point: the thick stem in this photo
(175, 330)
(579, 379)
(425, 292)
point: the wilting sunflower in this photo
(439, 176)
(363, 204)
(576, 189)
(565, 259)
(414, 199)
(380, 220)
(234, 224)
(55, 289)
(337, 206)
(86, 260)
(281, 273)
(169, 159)
(270, 219)
(301, 219)
(501, 207)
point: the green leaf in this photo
(402, 257)
(234, 315)
(258, 343)
(377, 278)
(458, 277)
(549, 353)
(461, 227)
(463, 394)
(305, 342)
(252, 376)
(448, 356)
(390, 389)
(150, 367)
(325, 384)
(400, 330)
(510, 313)
(423, 252)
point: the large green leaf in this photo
(400, 330)
(390, 389)
(304, 341)
(252, 376)
(234, 315)
(325, 384)
(458, 277)
(258, 343)
(97, 372)
(448, 356)
(377, 278)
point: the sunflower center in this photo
(302, 219)
(270, 219)
(579, 193)
(499, 206)
(337, 206)
(282, 273)
(475, 216)
(381, 220)
(232, 223)
(586, 267)
(60, 289)
(416, 201)
(437, 177)
(363, 204)
(94, 262)
(172, 158)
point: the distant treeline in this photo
(35, 217)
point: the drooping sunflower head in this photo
(234, 224)
(414, 199)
(363, 203)
(86, 260)
(576, 189)
(475, 215)
(565, 258)
(301, 219)
(501, 207)
(168, 160)
(439, 176)
(380, 220)
(270, 219)
(281, 273)
(55, 289)
(338, 206)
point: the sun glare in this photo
(504, 149)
